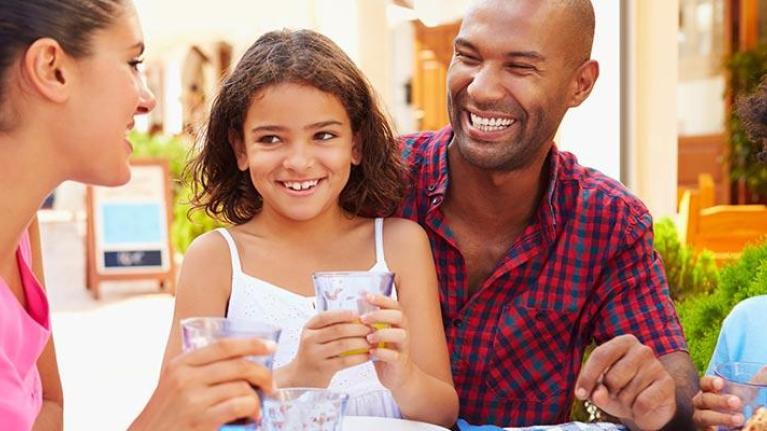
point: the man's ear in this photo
(48, 70)
(356, 150)
(585, 77)
(240, 152)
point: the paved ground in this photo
(109, 350)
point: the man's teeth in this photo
(300, 185)
(490, 124)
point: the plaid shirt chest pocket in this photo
(533, 352)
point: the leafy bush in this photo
(172, 148)
(688, 272)
(702, 316)
(186, 225)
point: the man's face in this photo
(509, 82)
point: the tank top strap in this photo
(380, 259)
(233, 253)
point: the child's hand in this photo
(324, 339)
(394, 365)
(714, 409)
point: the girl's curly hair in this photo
(375, 186)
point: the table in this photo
(365, 423)
(573, 426)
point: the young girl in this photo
(295, 150)
(69, 90)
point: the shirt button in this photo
(436, 201)
(431, 187)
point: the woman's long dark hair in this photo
(70, 22)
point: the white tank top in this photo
(253, 298)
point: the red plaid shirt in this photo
(584, 270)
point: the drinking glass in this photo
(198, 332)
(747, 381)
(303, 409)
(347, 290)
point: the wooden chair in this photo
(723, 229)
(706, 189)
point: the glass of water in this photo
(747, 381)
(303, 409)
(198, 332)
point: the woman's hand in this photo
(208, 387)
(330, 341)
(394, 365)
(714, 409)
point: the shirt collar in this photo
(437, 180)
(436, 158)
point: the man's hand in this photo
(625, 379)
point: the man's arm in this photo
(640, 372)
(685, 376)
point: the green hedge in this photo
(704, 295)
(689, 273)
(186, 225)
(702, 316)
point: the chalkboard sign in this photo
(129, 228)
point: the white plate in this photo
(365, 423)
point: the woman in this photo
(69, 91)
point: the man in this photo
(537, 256)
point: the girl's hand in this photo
(713, 409)
(330, 342)
(208, 387)
(394, 365)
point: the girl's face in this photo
(108, 92)
(299, 148)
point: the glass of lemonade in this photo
(198, 332)
(347, 290)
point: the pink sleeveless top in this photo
(23, 335)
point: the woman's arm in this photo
(429, 382)
(51, 415)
